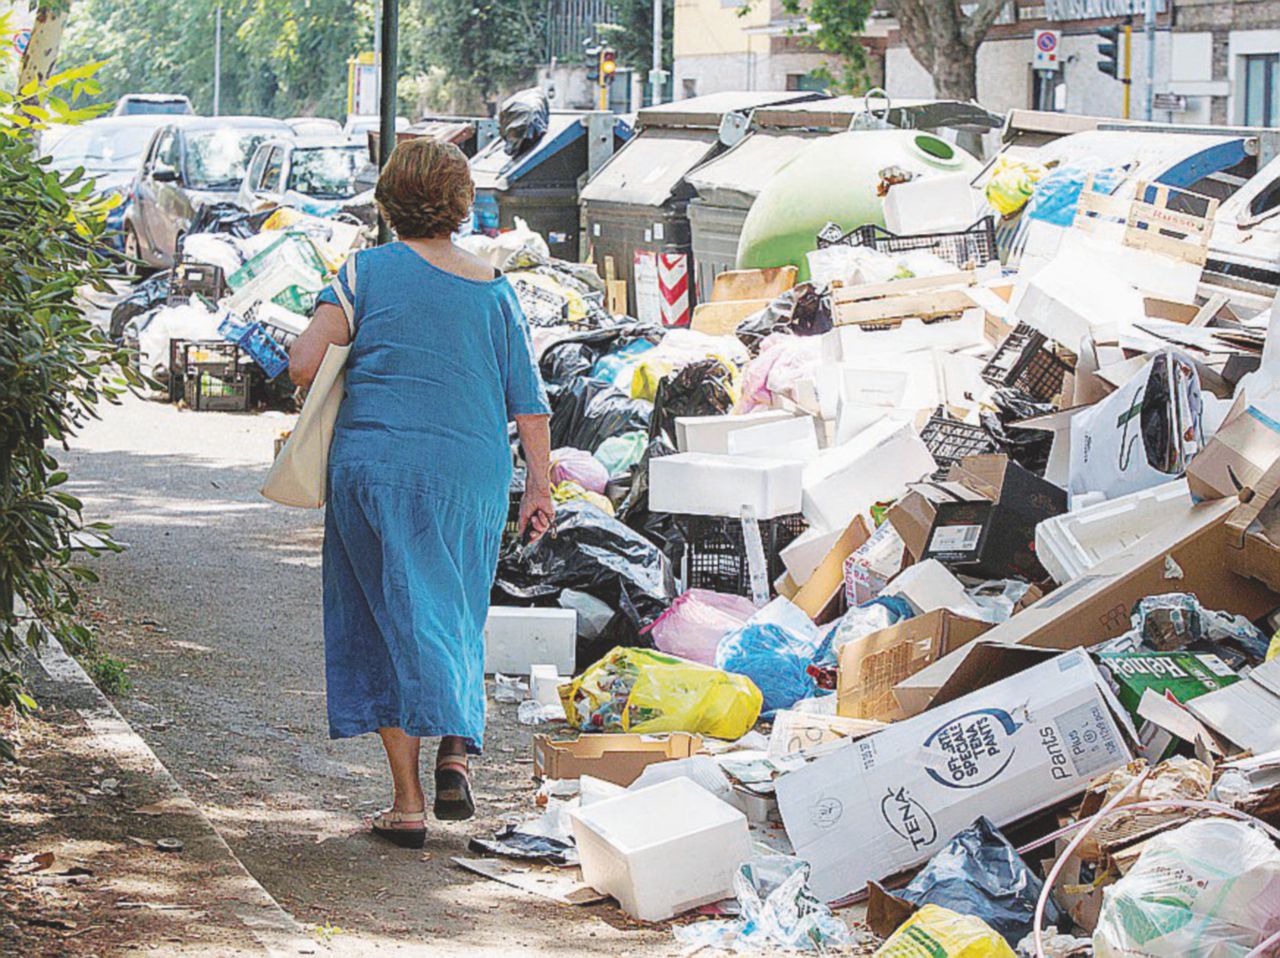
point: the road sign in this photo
(1173, 102)
(1047, 44)
(21, 40)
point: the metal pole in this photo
(655, 75)
(1150, 28)
(377, 55)
(217, 60)
(387, 133)
(1128, 68)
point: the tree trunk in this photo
(955, 70)
(46, 36)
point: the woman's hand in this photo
(537, 511)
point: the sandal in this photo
(453, 791)
(398, 828)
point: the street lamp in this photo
(388, 42)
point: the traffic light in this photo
(594, 60)
(608, 65)
(1109, 51)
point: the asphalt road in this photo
(216, 603)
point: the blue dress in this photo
(419, 473)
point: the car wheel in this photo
(134, 267)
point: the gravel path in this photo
(217, 606)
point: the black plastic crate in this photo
(201, 279)
(1026, 360)
(964, 249)
(950, 441)
(205, 392)
(715, 554)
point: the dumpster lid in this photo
(836, 113)
(493, 169)
(707, 111)
(649, 169)
(735, 177)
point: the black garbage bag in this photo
(803, 310)
(703, 388)
(594, 553)
(587, 411)
(1029, 448)
(228, 218)
(146, 296)
(523, 119)
(660, 528)
(510, 842)
(574, 355)
(980, 873)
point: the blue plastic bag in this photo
(610, 366)
(775, 658)
(1057, 195)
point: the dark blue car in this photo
(110, 150)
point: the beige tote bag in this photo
(299, 477)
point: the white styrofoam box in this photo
(711, 433)
(929, 586)
(544, 684)
(785, 439)
(961, 379)
(876, 465)
(663, 850)
(806, 552)
(517, 638)
(1071, 544)
(854, 342)
(694, 483)
(1055, 301)
(922, 389)
(853, 419)
(930, 204)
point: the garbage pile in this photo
(215, 330)
(932, 608)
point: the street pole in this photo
(1150, 28)
(387, 132)
(655, 75)
(217, 60)
(1128, 68)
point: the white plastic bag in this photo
(1210, 889)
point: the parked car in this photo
(136, 104)
(110, 149)
(314, 126)
(360, 125)
(314, 176)
(192, 162)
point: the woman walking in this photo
(419, 472)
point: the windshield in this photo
(141, 107)
(216, 159)
(100, 149)
(327, 173)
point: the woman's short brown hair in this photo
(425, 190)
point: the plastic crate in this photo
(1025, 360)
(200, 279)
(205, 392)
(950, 441)
(964, 249)
(715, 555)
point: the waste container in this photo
(539, 185)
(728, 184)
(635, 210)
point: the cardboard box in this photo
(1253, 547)
(871, 666)
(994, 536)
(868, 570)
(806, 552)
(827, 581)
(889, 801)
(1184, 555)
(1247, 445)
(1182, 675)
(614, 758)
(1248, 712)
(913, 515)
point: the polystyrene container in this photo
(697, 484)
(662, 850)
(1071, 544)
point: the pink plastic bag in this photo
(577, 465)
(697, 621)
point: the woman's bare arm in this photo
(536, 508)
(328, 326)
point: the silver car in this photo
(313, 175)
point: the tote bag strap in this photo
(347, 273)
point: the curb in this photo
(261, 915)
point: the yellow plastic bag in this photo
(569, 490)
(936, 932)
(650, 372)
(1273, 650)
(642, 690)
(1011, 184)
(575, 305)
